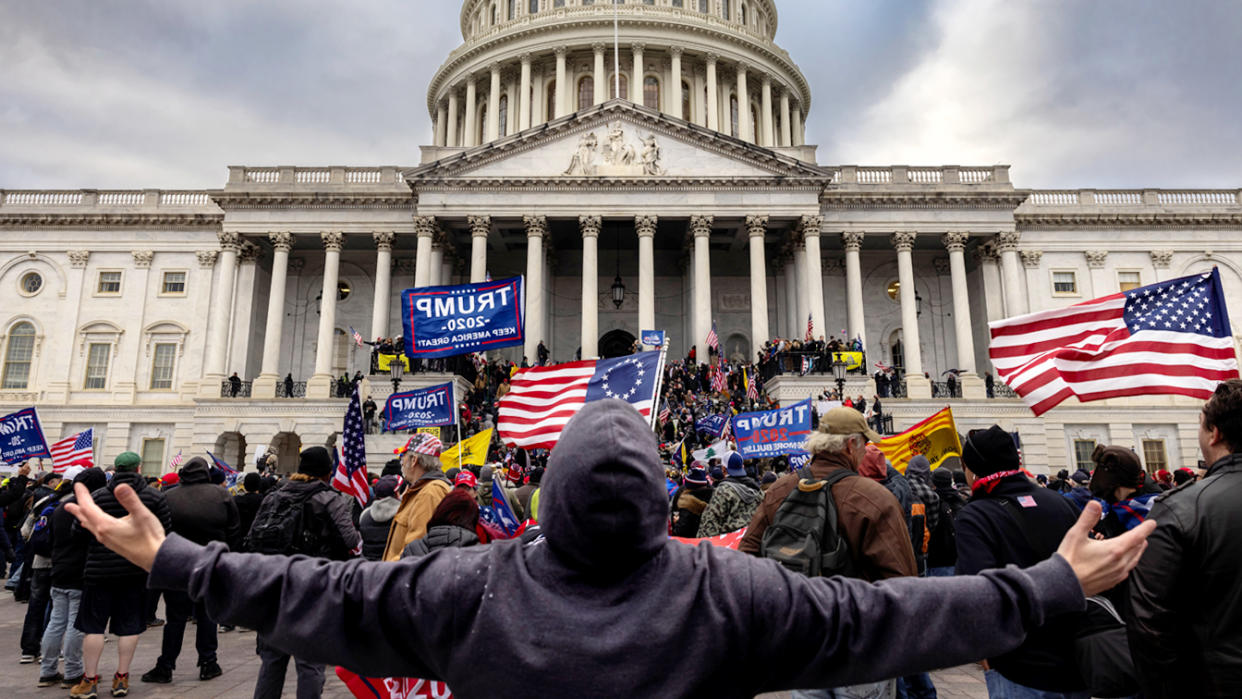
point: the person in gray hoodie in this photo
(375, 521)
(606, 602)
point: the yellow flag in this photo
(384, 362)
(935, 438)
(473, 451)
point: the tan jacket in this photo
(417, 505)
(868, 516)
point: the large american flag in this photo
(351, 469)
(719, 375)
(713, 340)
(1167, 338)
(74, 450)
(542, 399)
(752, 391)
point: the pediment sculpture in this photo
(615, 156)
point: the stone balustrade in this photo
(147, 198)
(241, 176)
(1136, 197)
(907, 175)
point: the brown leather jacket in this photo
(867, 515)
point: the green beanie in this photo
(127, 461)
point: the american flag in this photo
(713, 340)
(542, 399)
(175, 463)
(810, 327)
(1166, 338)
(356, 335)
(351, 469)
(665, 413)
(719, 376)
(752, 391)
(74, 450)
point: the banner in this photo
(718, 450)
(383, 362)
(426, 407)
(444, 321)
(21, 437)
(473, 451)
(936, 438)
(712, 424)
(393, 687)
(433, 431)
(853, 360)
(652, 338)
(773, 432)
(732, 540)
(799, 460)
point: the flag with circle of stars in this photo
(633, 379)
(1185, 305)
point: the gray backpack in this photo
(803, 535)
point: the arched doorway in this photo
(616, 343)
(286, 446)
(230, 447)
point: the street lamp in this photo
(396, 369)
(838, 371)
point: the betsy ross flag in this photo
(74, 450)
(810, 327)
(542, 399)
(350, 476)
(1167, 338)
(713, 340)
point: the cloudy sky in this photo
(167, 93)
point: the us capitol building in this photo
(679, 192)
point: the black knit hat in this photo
(315, 462)
(942, 478)
(989, 451)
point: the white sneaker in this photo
(26, 659)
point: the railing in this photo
(935, 175)
(1201, 197)
(243, 389)
(790, 362)
(336, 175)
(1136, 197)
(1119, 197)
(1000, 390)
(896, 389)
(268, 175)
(92, 198)
(43, 198)
(184, 199)
(293, 389)
(121, 198)
(943, 389)
(312, 176)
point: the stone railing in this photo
(1136, 197)
(907, 175)
(104, 199)
(240, 176)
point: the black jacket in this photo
(330, 517)
(989, 536)
(12, 499)
(247, 507)
(1186, 631)
(203, 511)
(951, 503)
(102, 565)
(441, 536)
(68, 547)
(374, 524)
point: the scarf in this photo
(987, 483)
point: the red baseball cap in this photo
(467, 479)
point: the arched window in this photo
(625, 87)
(550, 113)
(586, 92)
(741, 15)
(733, 115)
(685, 101)
(18, 355)
(651, 92)
(504, 115)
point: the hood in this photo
(131, 478)
(920, 468)
(383, 509)
(195, 471)
(603, 505)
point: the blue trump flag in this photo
(445, 321)
(712, 424)
(21, 437)
(652, 338)
(799, 460)
(773, 432)
(426, 407)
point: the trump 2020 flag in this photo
(1167, 338)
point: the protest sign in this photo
(444, 321)
(773, 432)
(426, 407)
(21, 437)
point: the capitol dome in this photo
(713, 63)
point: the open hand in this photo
(137, 536)
(1101, 565)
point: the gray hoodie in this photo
(607, 603)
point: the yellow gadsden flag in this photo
(936, 438)
(473, 451)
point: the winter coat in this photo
(330, 516)
(69, 543)
(247, 507)
(104, 566)
(951, 503)
(918, 474)
(1186, 631)
(732, 505)
(606, 563)
(989, 535)
(203, 511)
(417, 505)
(688, 505)
(868, 516)
(442, 536)
(374, 524)
(520, 500)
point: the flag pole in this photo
(655, 408)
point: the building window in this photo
(1127, 280)
(512, 10)
(586, 92)
(18, 355)
(733, 116)
(1154, 456)
(1083, 448)
(30, 284)
(1065, 283)
(754, 123)
(648, 2)
(97, 366)
(109, 283)
(558, 3)
(679, 3)
(724, 9)
(495, 15)
(174, 284)
(164, 359)
(481, 127)
(741, 15)
(551, 111)
(534, 6)
(899, 356)
(651, 92)
(625, 87)
(704, 6)
(152, 456)
(504, 115)
(685, 101)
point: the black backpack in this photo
(944, 536)
(282, 526)
(803, 535)
(41, 534)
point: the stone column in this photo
(435, 277)
(468, 127)
(675, 68)
(799, 138)
(590, 284)
(441, 122)
(972, 385)
(221, 307)
(1100, 282)
(451, 139)
(320, 383)
(856, 324)
(645, 226)
(701, 230)
(493, 105)
(536, 229)
(425, 228)
(814, 273)
(802, 297)
(713, 110)
(756, 230)
(765, 112)
(480, 228)
(600, 75)
(636, 74)
(744, 130)
(786, 129)
(916, 385)
(383, 283)
(562, 83)
(265, 384)
(524, 94)
(1015, 299)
